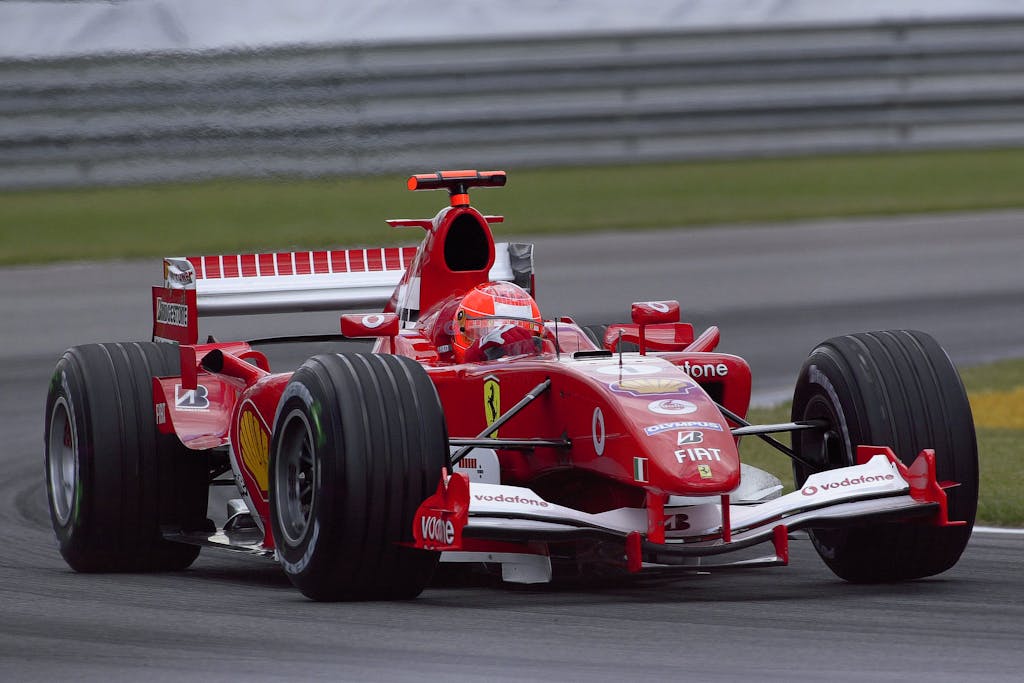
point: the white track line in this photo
(999, 530)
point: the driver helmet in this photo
(489, 309)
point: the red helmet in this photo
(491, 306)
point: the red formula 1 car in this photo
(478, 432)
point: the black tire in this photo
(596, 334)
(897, 389)
(369, 432)
(112, 479)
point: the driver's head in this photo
(501, 312)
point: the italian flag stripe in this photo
(640, 469)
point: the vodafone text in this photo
(856, 481)
(502, 498)
(437, 529)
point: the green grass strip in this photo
(245, 215)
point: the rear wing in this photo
(282, 282)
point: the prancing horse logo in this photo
(492, 400)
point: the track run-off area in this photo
(775, 291)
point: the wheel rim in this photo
(295, 478)
(62, 458)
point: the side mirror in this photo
(369, 325)
(646, 313)
(654, 312)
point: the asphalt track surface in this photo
(775, 292)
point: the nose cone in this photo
(693, 456)
(678, 442)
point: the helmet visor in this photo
(477, 326)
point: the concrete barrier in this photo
(515, 102)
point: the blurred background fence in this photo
(549, 100)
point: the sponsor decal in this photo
(492, 400)
(253, 446)
(684, 438)
(671, 406)
(695, 454)
(178, 273)
(307, 556)
(437, 529)
(597, 432)
(659, 306)
(502, 498)
(640, 472)
(179, 278)
(191, 399)
(691, 424)
(171, 314)
(467, 463)
(374, 321)
(704, 370)
(651, 386)
(704, 471)
(631, 370)
(240, 483)
(856, 481)
(676, 523)
(161, 413)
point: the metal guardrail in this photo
(545, 101)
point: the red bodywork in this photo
(638, 427)
(622, 431)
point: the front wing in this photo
(512, 526)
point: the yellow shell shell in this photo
(253, 447)
(652, 385)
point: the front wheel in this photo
(897, 389)
(359, 442)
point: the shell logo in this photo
(647, 386)
(253, 446)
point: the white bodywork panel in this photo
(873, 487)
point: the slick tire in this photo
(898, 389)
(596, 334)
(359, 442)
(112, 479)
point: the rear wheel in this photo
(112, 479)
(896, 389)
(359, 443)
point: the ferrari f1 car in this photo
(591, 450)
